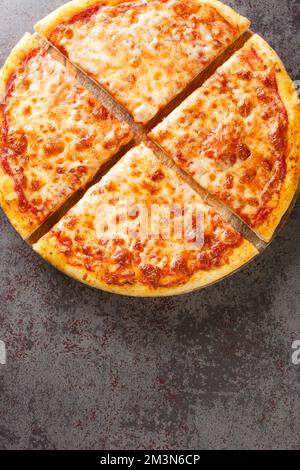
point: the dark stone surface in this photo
(209, 370)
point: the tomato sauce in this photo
(86, 14)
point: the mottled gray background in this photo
(208, 370)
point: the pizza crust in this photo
(291, 102)
(230, 15)
(241, 255)
(19, 52)
(67, 11)
(9, 206)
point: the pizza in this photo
(116, 237)
(54, 135)
(238, 136)
(149, 226)
(143, 52)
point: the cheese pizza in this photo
(54, 136)
(239, 137)
(143, 52)
(143, 231)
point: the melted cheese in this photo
(139, 181)
(58, 135)
(144, 53)
(230, 135)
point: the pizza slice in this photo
(143, 52)
(239, 136)
(54, 136)
(143, 231)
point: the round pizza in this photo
(187, 203)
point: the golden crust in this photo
(230, 15)
(8, 204)
(240, 256)
(7, 191)
(19, 52)
(292, 104)
(67, 11)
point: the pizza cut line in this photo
(54, 136)
(238, 136)
(130, 262)
(143, 52)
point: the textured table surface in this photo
(210, 370)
